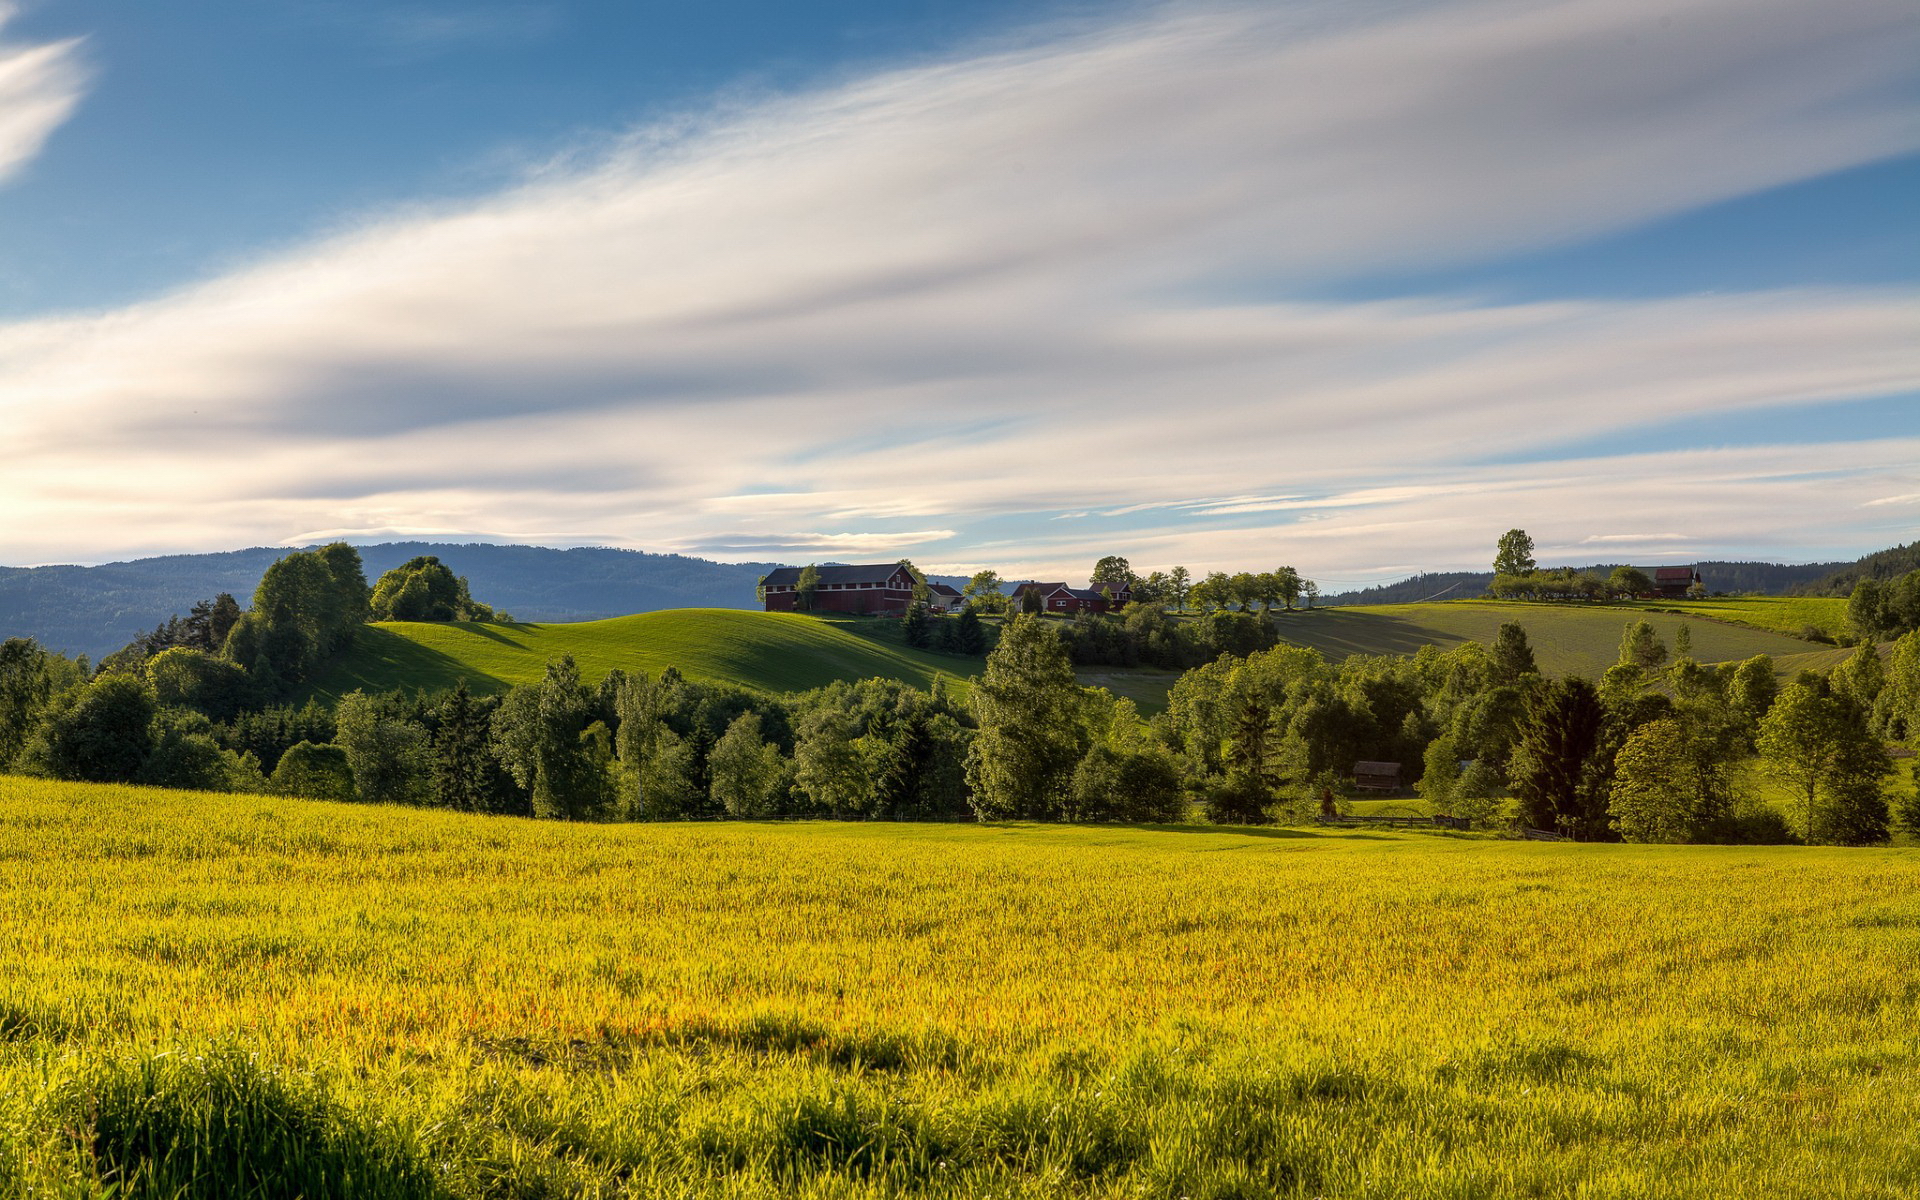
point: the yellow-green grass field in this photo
(778, 652)
(1579, 638)
(238, 996)
(1788, 615)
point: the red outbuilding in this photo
(880, 589)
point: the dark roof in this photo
(1042, 588)
(943, 589)
(862, 573)
(1673, 574)
(1376, 768)
(1095, 585)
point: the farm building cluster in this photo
(885, 590)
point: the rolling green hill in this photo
(777, 652)
(1566, 638)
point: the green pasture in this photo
(1566, 638)
(776, 652)
(216, 996)
(1789, 615)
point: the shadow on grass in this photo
(491, 633)
(1266, 831)
(384, 661)
(1338, 634)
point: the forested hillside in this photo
(1881, 564)
(1766, 579)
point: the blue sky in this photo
(1353, 287)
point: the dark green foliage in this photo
(424, 589)
(314, 772)
(101, 733)
(268, 732)
(465, 773)
(1556, 774)
(1121, 785)
(220, 1125)
(306, 609)
(1238, 634)
(185, 754)
(749, 777)
(26, 684)
(916, 627)
(969, 633)
(1237, 799)
(1031, 739)
(386, 748)
(544, 734)
(1629, 581)
(1820, 745)
(189, 678)
(1640, 646)
(1512, 655)
(806, 589)
(1880, 565)
(1514, 554)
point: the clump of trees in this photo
(1883, 610)
(426, 589)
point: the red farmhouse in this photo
(884, 589)
(1672, 582)
(1059, 598)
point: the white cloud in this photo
(938, 300)
(39, 87)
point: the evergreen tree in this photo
(1553, 772)
(465, 773)
(1512, 655)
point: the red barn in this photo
(1672, 582)
(1059, 598)
(881, 589)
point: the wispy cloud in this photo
(39, 87)
(937, 300)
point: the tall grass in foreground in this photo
(234, 996)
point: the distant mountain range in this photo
(1766, 579)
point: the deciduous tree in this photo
(1027, 703)
(1514, 555)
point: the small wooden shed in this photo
(1376, 776)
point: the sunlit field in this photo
(218, 995)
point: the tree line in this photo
(1255, 730)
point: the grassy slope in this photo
(1787, 615)
(1565, 638)
(537, 1009)
(779, 652)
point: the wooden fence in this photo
(1400, 822)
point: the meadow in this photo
(776, 652)
(1582, 638)
(232, 995)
